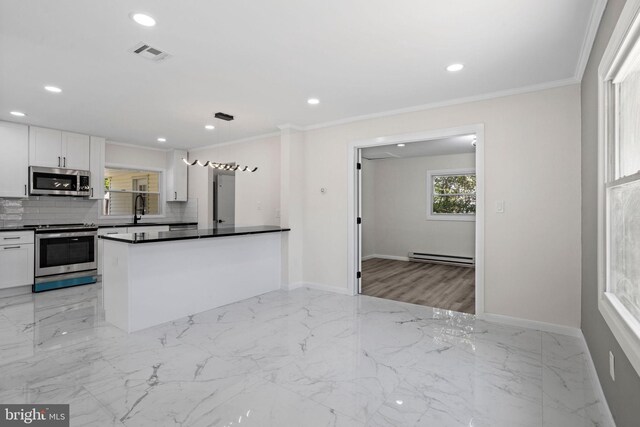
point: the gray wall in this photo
(623, 395)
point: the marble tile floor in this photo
(298, 358)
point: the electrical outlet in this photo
(612, 366)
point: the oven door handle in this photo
(40, 236)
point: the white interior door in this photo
(225, 200)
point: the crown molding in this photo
(483, 97)
(289, 126)
(590, 36)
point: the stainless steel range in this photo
(66, 255)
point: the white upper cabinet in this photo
(58, 149)
(96, 167)
(45, 147)
(14, 161)
(75, 151)
(176, 176)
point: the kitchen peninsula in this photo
(155, 277)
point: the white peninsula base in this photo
(147, 284)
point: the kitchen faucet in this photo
(137, 218)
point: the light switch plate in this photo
(500, 206)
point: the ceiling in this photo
(262, 60)
(435, 147)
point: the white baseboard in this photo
(532, 324)
(317, 286)
(596, 380)
(12, 292)
(393, 257)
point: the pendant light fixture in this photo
(222, 166)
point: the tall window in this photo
(126, 187)
(451, 194)
(619, 189)
(623, 189)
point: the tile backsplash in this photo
(66, 210)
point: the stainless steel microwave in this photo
(59, 182)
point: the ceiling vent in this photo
(145, 51)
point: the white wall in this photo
(135, 157)
(257, 194)
(532, 162)
(399, 202)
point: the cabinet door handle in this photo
(65, 162)
(11, 247)
(91, 191)
(25, 189)
(11, 238)
(58, 161)
(175, 195)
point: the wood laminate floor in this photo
(436, 285)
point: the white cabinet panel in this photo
(176, 176)
(16, 263)
(14, 161)
(102, 232)
(45, 147)
(96, 167)
(75, 151)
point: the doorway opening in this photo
(418, 217)
(224, 198)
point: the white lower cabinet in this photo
(16, 259)
(124, 230)
(102, 232)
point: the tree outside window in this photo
(452, 195)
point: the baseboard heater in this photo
(461, 261)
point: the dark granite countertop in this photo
(17, 228)
(145, 224)
(166, 236)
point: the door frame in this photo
(354, 248)
(214, 193)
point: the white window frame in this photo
(623, 43)
(161, 197)
(447, 217)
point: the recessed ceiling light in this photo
(400, 145)
(210, 127)
(18, 113)
(144, 20)
(455, 67)
(162, 140)
(53, 89)
(313, 101)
